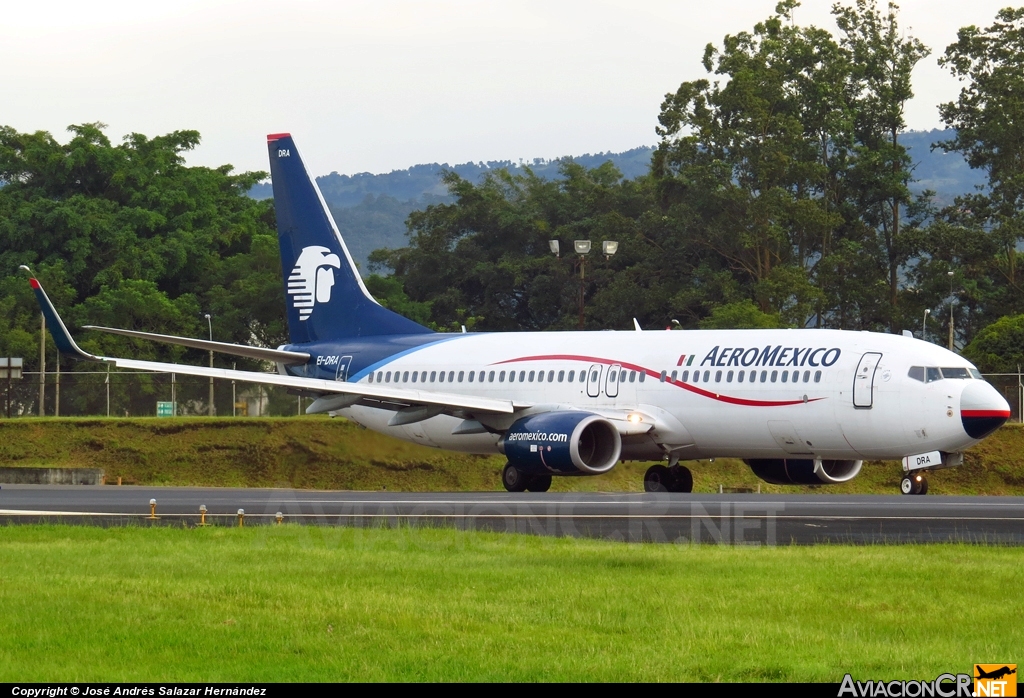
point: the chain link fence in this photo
(136, 394)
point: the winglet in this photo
(61, 336)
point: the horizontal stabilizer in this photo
(249, 352)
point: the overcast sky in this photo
(383, 84)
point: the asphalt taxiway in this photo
(730, 518)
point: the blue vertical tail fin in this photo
(325, 296)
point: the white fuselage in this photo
(801, 403)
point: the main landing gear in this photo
(914, 483)
(675, 478)
(515, 480)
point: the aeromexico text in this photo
(536, 436)
(772, 356)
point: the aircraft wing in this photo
(410, 405)
(260, 353)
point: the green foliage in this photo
(127, 235)
(999, 348)
(742, 315)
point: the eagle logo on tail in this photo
(312, 279)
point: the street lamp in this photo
(209, 324)
(42, 352)
(927, 312)
(582, 249)
(950, 275)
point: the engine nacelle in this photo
(563, 443)
(802, 471)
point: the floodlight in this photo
(582, 246)
(609, 247)
(553, 245)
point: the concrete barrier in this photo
(51, 476)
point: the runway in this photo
(739, 519)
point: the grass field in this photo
(321, 453)
(308, 604)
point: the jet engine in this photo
(802, 471)
(562, 443)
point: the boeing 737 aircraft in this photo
(798, 406)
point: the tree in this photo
(989, 120)
(999, 348)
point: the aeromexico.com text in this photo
(772, 356)
(536, 436)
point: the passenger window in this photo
(540, 376)
(490, 377)
(728, 377)
(561, 376)
(955, 373)
(917, 373)
(775, 374)
(511, 376)
(718, 376)
(440, 377)
(462, 375)
(593, 376)
(933, 374)
(785, 375)
(551, 376)
(696, 376)
(369, 379)
(674, 376)
(739, 377)
(532, 374)
(707, 376)
(764, 376)
(387, 377)
(643, 374)
(664, 376)
(632, 376)
(611, 376)
(807, 376)
(817, 376)
(414, 376)
(572, 376)
(433, 376)
(686, 375)
(470, 377)
(622, 376)
(501, 377)
(451, 376)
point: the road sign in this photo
(10, 367)
(164, 409)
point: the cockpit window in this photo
(917, 373)
(955, 373)
(932, 374)
(977, 374)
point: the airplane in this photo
(799, 406)
(995, 674)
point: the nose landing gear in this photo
(914, 483)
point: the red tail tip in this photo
(277, 136)
(34, 283)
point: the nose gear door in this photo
(864, 381)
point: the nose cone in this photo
(982, 409)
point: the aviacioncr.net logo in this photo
(312, 279)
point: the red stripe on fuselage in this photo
(985, 413)
(679, 384)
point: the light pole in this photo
(42, 354)
(924, 320)
(582, 249)
(209, 324)
(950, 275)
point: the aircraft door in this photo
(343, 364)
(864, 380)
(611, 383)
(594, 380)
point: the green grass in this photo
(321, 453)
(307, 604)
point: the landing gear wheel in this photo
(907, 485)
(539, 483)
(656, 479)
(914, 484)
(514, 479)
(680, 479)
